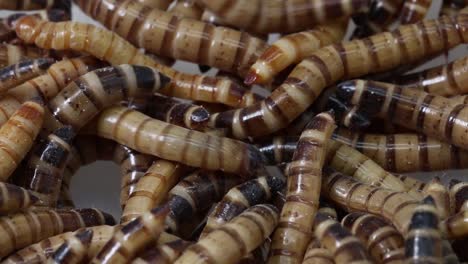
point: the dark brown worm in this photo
(132, 237)
(73, 250)
(423, 242)
(303, 191)
(429, 114)
(456, 226)
(414, 11)
(448, 254)
(441, 196)
(238, 199)
(11, 54)
(34, 4)
(459, 195)
(16, 74)
(327, 65)
(315, 254)
(163, 254)
(381, 14)
(23, 229)
(196, 193)
(382, 240)
(14, 198)
(244, 233)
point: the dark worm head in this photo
(346, 90)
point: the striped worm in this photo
(448, 254)
(238, 199)
(381, 14)
(411, 183)
(159, 4)
(74, 249)
(11, 54)
(423, 243)
(14, 198)
(179, 38)
(133, 237)
(17, 136)
(152, 188)
(303, 191)
(327, 65)
(429, 114)
(456, 226)
(459, 99)
(381, 239)
(108, 46)
(344, 246)
(194, 194)
(315, 254)
(414, 11)
(189, 147)
(34, 4)
(396, 207)
(23, 229)
(264, 16)
(459, 195)
(233, 240)
(162, 254)
(294, 48)
(20, 72)
(441, 196)
(186, 9)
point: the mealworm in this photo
(11, 54)
(233, 240)
(73, 250)
(238, 199)
(187, 9)
(133, 237)
(411, 183)
(327, 65)
(23, 71)
(396, 207)
(23, 229)
(106, 45)
(344, 247)
(277, 150)
(429, 114)
(152, 188)
(34, 4)
(441, 196)
(316, 254)
(159, 4)
(294, 48)
(423, 242)
(459, 195)
(456, 226)
(448, 254)
(17, 136)
(414, 11)
(14, 198)
(91, 148)
(194, 194)
(163, 254)
(190, 147)
(380, 15)
(381, 239)
(303, 191)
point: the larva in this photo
(441, 197)
(380, 15)
(12, 54)
(34, 4)
(186, 9)
(14, 198)
(20, 72)
(414, 11)
(315, 254)
(456, 226)
(163, 254)
(73, 250)
(459, 195)
(159, 4)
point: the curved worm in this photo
(315, 254)
(459, 195)
(73, 250)
(441, 196)
(23, 71)
(456, 226)
(14, 198)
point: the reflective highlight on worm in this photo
(315, 254)
(414, 11)
(73, 250)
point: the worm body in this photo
(163, 254)
(11, 54)
(379, 17)
(34, 4)
(441, 196)
(14, 198)
(456, 226)
(315, 254)
(414, 11)
(187, 9)
(73, 250)
(16, 74)
(159, 4)
(459, 195)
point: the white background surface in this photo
(98, 184)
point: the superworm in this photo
(241, 197)
(17, 136)
(423, 242)
(159, 4)
(430, 114)
(456, 226)
(414, 11)
(23, 229)
(11, 54)
(196, 193)
(344, 246)
(14, 198)
(381, 14)
(411, 183)
(327, 65)
(281, 16)
(186, 9)
(381, 239)
(74, 249)
(459, 195)
(396, 207)
(189, 147)
(133, 237)
(152, 188)
(243, 233)
(441, 196)
(16, 74)
(163, 254)
(106, 45)
(294, 48)
(34, 4)
(315, 254)
(303, 191)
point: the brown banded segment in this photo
(20, 72)
(163, 254)
(303, 191)
(11, 54)
(441, 196)
(414, 11)
(14, 198)
(382, 13)
(73, 250)
(244, 233)
(187, 9)
(459, 195)
(315, 254)
(456, 226)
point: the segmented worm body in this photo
(187, 9)
(17, 136)
(327, 65)
(14, 198)
(430, 114)
(233, 240)
(163, 254)
(11, 54)
(23, 229)
(396, 207)
(414, 11)
(133, 237)
(16, 74)
(315, 254)
(383, 242)
(73, 250)
(423, 242)
(441, 196)
(159, 4)
(238, 199)
(303, 191)
(293, 48)
(459, 195)
(380, 15)
(456, 226)
(34, 4)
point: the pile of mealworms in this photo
(309, 166)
